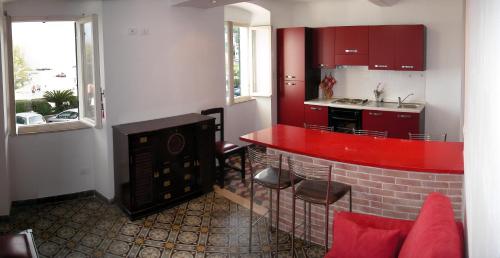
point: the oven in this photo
(344, 120)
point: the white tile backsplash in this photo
(359, 82)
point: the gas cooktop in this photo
(350, 101)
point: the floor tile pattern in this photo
(209, 226)
(234, 184)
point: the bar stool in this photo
(318, 127)
(372, 133)
(267, 171)
(424, 136)
(316, 187)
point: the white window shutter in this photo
(261, 61)
(89, 80)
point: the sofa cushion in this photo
(435, 232)
(354, 241)
(366, 220)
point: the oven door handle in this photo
(344, 119)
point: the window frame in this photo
(253, 89)
(232, 99)
(7, 50)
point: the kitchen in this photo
(155, 68)
(336, 50)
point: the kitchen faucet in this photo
(400, 102)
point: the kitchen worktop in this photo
(370, 105)
(388, 153)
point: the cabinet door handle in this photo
(290, 83)
(316, 108)
(380, 66)
(374, 113)
(407, 66)
(351, 51)
(404, 116)
(290, 76)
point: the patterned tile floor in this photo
(233, 183)
(209, 226)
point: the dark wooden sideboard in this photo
(160, 163)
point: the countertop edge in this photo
(409, 169)
(327, 103)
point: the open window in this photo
(248, 62)
(53, 74)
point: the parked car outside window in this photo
(29, 118)
(65, 116)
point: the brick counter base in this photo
(382, 192)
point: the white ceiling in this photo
(214, 3)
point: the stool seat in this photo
(268, 177)
(314, 191)
(222, 147)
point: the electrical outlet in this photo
(132, 31)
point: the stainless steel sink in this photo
(410, 106)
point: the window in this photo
(248, 62)
(54, 74)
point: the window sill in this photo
(53, 127)
(240, 100)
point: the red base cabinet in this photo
(316, 115)
(291, 103)
(397, 124)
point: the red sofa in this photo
(435, 234)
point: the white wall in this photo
(246, 117)
(482, 141)
(52, 163)
(176, 69)
(440, 85)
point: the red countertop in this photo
(419, 156)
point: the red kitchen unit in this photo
(324, 47)
(292, 45)
(397, 124)
(410, 47)
(382, 48)
(316, 115)
(291, 75)
(397, 47)
(351, 45)
(291, 103)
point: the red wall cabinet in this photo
(382, 46)
(324, 47)
(398, 47)
(397, 124)
(293, 47)
(351, 45)
(410, 47)
(316, 115)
